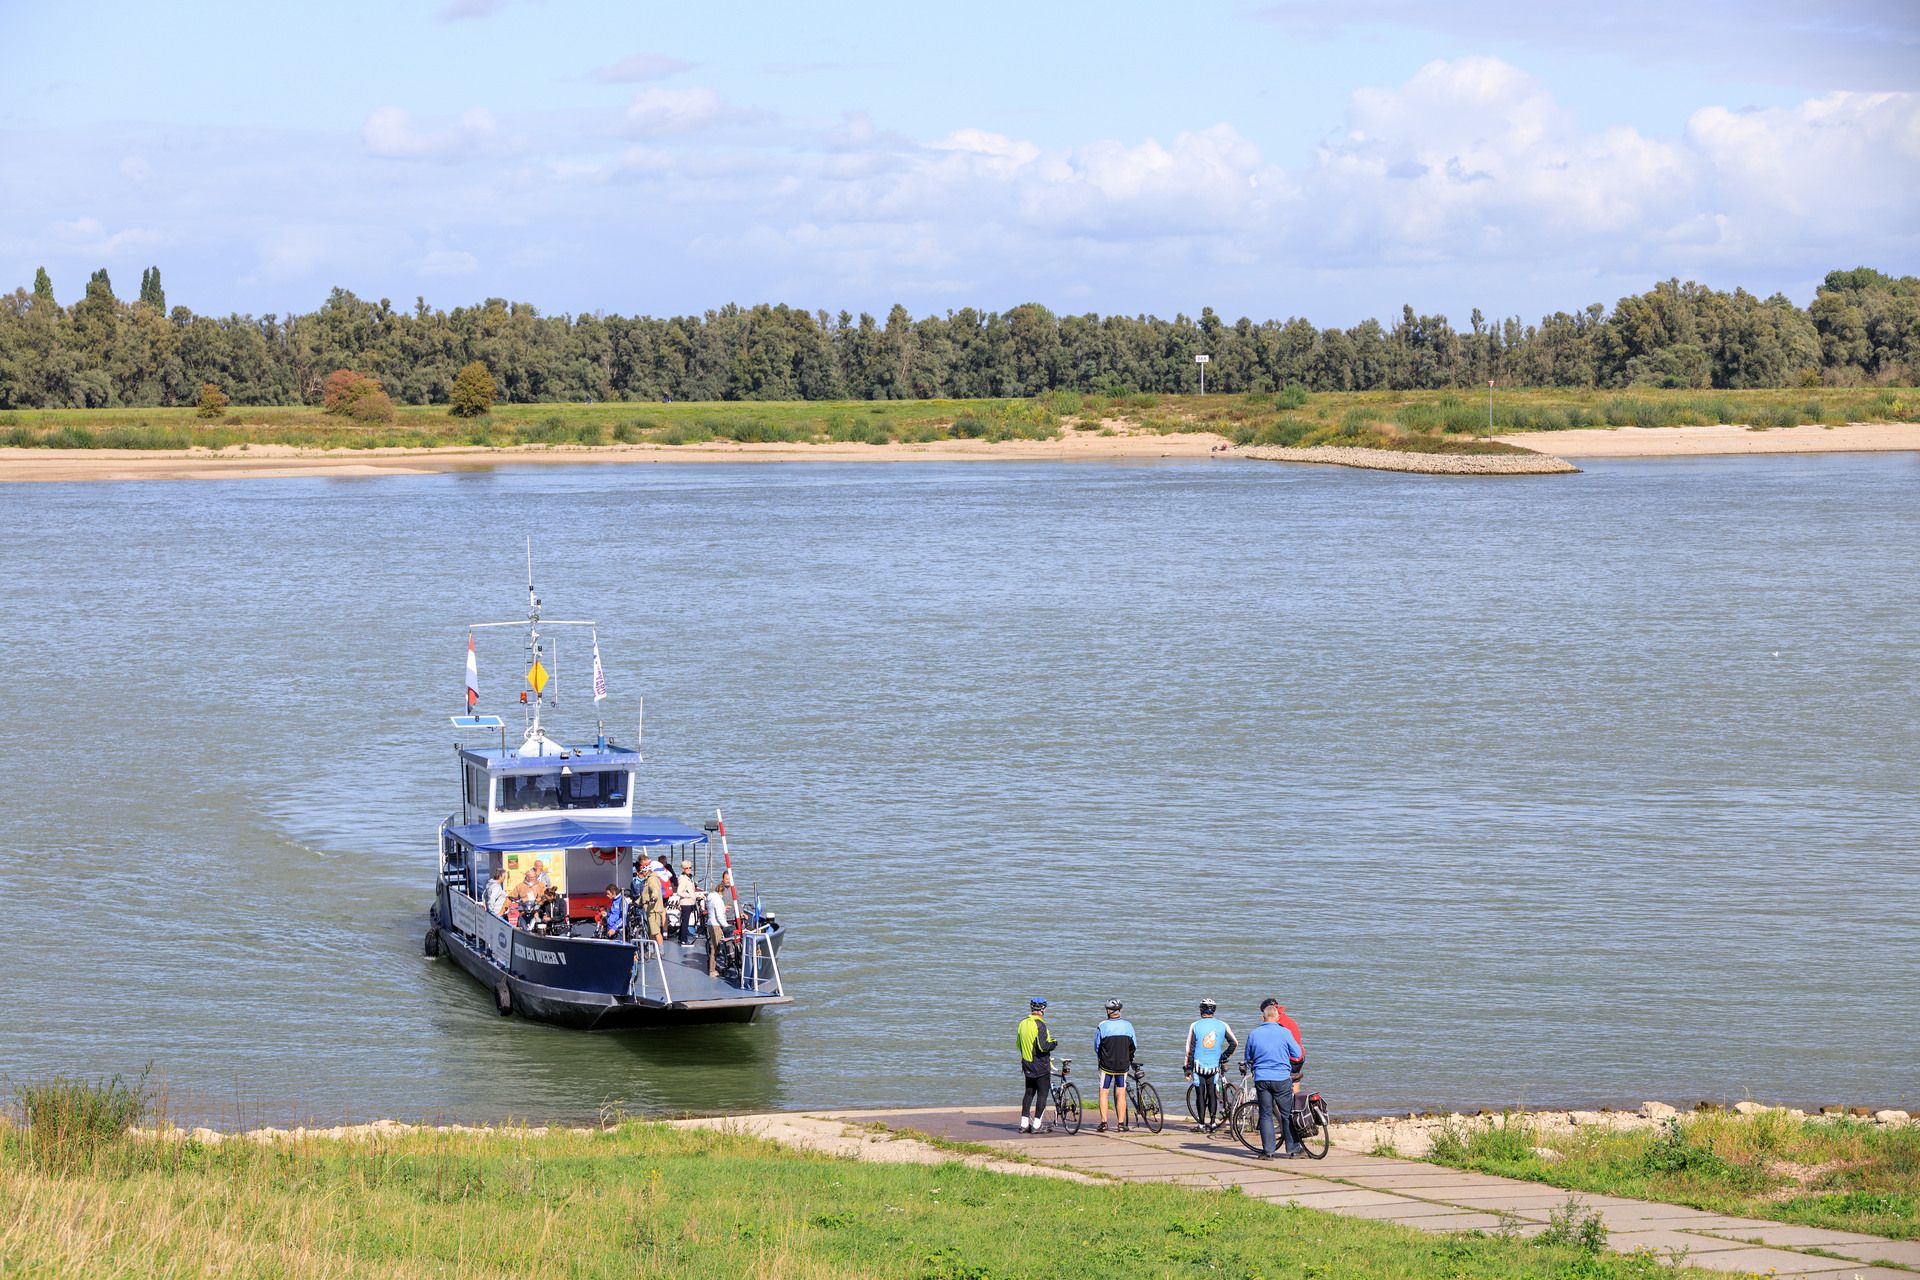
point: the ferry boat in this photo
(563, 814)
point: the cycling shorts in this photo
(1113, 1080)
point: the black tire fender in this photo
(503, 998)
(432, 944)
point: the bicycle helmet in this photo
(1207, 1007)
(1038, 1002)
(1113, 1006)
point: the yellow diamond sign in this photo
(537, 677)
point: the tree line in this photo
(1863, 327)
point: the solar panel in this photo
(477, 722)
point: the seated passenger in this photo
(497, 894)
(613, 921)
(553, 906)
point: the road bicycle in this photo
(1066, 1100)
(1143, 1100)
(1310, 1125)
(1230, 1095)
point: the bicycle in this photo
(1311, 1128)
(1144, 1100)
(1066, 1100)
(1230, 1094)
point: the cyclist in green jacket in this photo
(1036, 1063)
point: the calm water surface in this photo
(1583, 789)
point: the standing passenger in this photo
(616, 917)
(716, 929)
(497, 894)
(1113, 1047)
(651, 908)
(686, 896)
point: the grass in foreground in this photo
(654, 1200)
(1840, 1174)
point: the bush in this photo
(373, 406)
(344, 389)
(473, 391)
(212, 404)
(68, 1117)
(1291, 397)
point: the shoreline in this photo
(272, 461)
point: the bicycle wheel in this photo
(1066, 1111)
(1229, 1099)
(1193, 1102)
(1147, 1103)
(1246, 1124)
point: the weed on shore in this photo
(1839, 1173)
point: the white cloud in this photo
(90, 236)
(392, 133)
(641, 67)
(655, 111)
(471, 9)
(447, 262)
(135, 169)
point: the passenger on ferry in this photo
(497, 894)
(652, 905)
(686, 896)
(613, 921)
(717, 923)
(553, 906)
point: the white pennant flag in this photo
(599, 676)
(473, 676)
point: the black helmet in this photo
(1207, 1007)
(1113, 1006)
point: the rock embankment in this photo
(1432, 464)
(1413, 1135)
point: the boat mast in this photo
(533, 645)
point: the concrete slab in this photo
(1904, 1252)
(1412, 1211)
(1786, 1236)
(1436, 1179)
(1664, 1239)
(1341, 1200)
(1450, 1222)
(1778, 1262)
(1496, 1201)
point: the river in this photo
(1579, 789)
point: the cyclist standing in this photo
(1113, 1047)
(1209, 1040)
(1277, 1061)
(1036, 1044)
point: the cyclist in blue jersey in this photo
(1208, 1041)
(1113, 1047)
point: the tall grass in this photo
(66, 1118)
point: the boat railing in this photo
(649, 946)
(751, 953)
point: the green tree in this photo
(150, 291)
(473, 391)
(42, 285)
(213, 404)
(99, 279)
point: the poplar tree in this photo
(150, 291)
(43, 285)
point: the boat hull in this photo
(597, 975)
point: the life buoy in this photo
(605, 855)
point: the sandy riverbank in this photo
(1431, 464)
(1664, 442)
(260, 462)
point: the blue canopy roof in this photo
(576, 832)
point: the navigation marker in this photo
(537, 676)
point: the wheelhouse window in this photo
(477, 786)
(588, 789)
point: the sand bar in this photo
(1665, 442)
(1430, 464)
(274, 461)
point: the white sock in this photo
(1023, 1124)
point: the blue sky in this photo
(1274, 158)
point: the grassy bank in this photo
(1842, 1174)
(646, 1199)
(1426, 421)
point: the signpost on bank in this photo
(1489, 408)
(1202, 362)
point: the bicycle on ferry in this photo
(1311, 1128)
(1066, 1099)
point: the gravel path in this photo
(1433, 464)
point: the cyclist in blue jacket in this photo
(1209, 1040)
(1114, 1047)
(1277, 1061)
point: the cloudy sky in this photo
(1268, 158)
